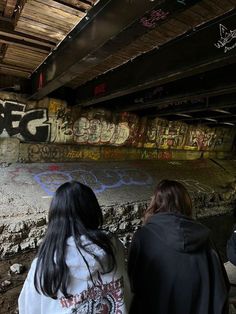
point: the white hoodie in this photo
(110, 294)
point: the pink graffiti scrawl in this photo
(153, 18)
(53, 168)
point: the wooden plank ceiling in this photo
(30, 30)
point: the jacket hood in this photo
(179, 232)
(75, 261)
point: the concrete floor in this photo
(26, 189)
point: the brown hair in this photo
(169, 196)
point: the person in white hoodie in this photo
(79, 267)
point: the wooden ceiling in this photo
(115, 52)
(30, 30)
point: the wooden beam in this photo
(9, 8)
(76, 5)
(9, 67)
(7, 29)
(23, 44)
(3, 51)
(20, 7)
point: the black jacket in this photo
(231, 247)
(174, 270)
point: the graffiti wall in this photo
(47, 124)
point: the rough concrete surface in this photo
(123, 189)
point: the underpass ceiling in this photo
(112, 53)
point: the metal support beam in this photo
(181, 98)
(219, 102)
(107, 27)
(199, 51)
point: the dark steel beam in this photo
(219, 102)
(109, 26)
(213, 116)
(201, 50)
(207, 121)
(181, 98)
(216, 82)
(12, 83)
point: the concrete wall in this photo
(49, 130)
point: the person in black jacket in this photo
(172, 265)
(231, 247)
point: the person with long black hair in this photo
(173, 266)
(79, 267)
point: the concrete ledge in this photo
(43, 152)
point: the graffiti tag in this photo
(31, 125)
(97, 131)
(227, 39)
(155, 16)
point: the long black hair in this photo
(170, 196)
(74, 211)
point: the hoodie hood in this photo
(75, 260)
(179, 232)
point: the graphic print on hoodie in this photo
(99, 297)
(107, 293)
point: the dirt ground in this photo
(9, 294)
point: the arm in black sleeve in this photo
(134, 263)
(231, 248)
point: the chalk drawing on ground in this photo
(194, 186)
(98, 180)
(51, 180)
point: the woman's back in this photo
(172, 267)
(91, 290)
(79, 268)
(173, 270)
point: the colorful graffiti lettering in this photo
(166, 134)
(39, 153)
(205, 138)
(61, 124)
(95, 131)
